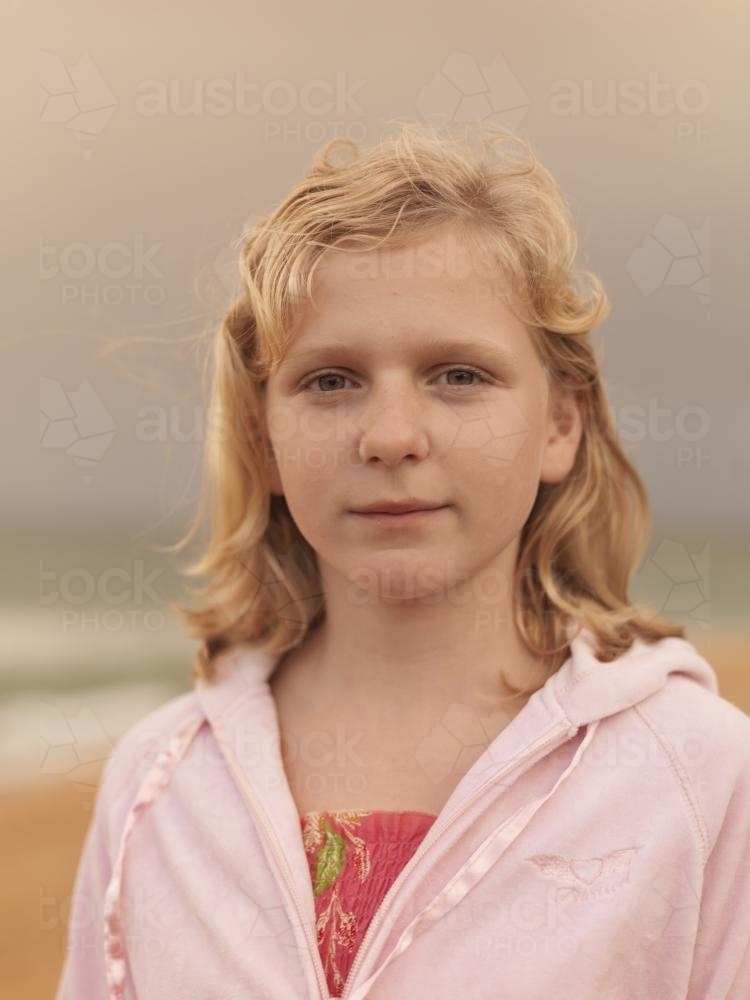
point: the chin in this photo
(409, 576)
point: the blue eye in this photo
(317, 378)
(465, 369)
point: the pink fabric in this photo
(354, 857)
(598, 846)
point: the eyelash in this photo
(305, 386)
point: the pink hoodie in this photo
(598, 848)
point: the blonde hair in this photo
(584, 537)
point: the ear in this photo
(565, 427)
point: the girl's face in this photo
(413, 380)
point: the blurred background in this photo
(158, 131)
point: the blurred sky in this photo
(659, 197)
(186, 182)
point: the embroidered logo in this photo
(581, 879)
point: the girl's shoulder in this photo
(141, 748)
(705, 740)
(682, 708)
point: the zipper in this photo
(566, 729)
(308, 929)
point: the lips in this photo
(397, 507)
(400, 518)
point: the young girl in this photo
(432, 749)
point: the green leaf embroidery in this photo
(329, 860)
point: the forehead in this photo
(441, 285)
(442, 261)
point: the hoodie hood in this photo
(589, 690)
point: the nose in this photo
(390, 425)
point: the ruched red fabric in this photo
(354, 858)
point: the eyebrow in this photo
(490, 350)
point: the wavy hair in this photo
(584, 537)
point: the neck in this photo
(462, 648)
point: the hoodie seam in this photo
(698, 822)
(555, 691)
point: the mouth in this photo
(400, 517)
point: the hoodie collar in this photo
(241, 709)
(583, 690)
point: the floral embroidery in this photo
(335, 925)
(354, 857)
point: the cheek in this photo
(310, 454)
(503, 447)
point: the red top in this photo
(354, 857)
